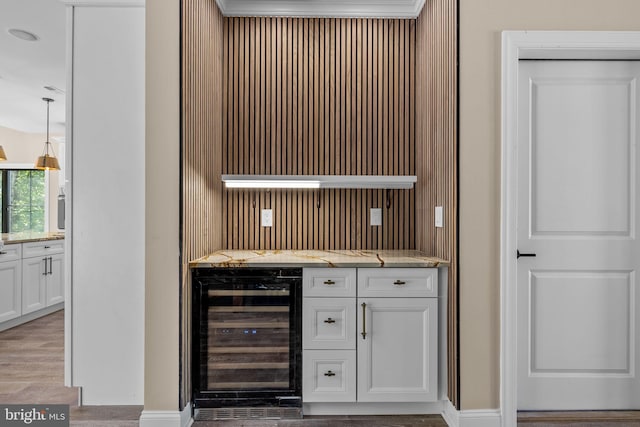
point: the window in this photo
(23, 195)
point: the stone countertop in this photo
(28, 236)
(315, 258)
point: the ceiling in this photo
(26, 67)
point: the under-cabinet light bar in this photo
(320, 181)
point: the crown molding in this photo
(323, 8)
(104, 3)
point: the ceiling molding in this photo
(104, 3)
(323, 8)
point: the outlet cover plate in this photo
(439, 216)
(266, 219)
(375, 218)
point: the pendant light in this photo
(47, 161)
(2, 155)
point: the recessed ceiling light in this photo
(22, 34)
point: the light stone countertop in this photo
(28, 236)
(316, 258)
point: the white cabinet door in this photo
(55, 279)
(10, 289)
(397, 349)
(34, 289)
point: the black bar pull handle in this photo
(329, 374)
(518, 254)
(329, 320)
(46, 271)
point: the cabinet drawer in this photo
(329, 376)
(397, 282)
(11, 252)
(329, 282)
(328, 323)
(46, 247)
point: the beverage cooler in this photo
(247, 344)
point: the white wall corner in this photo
(167, 418)
(480, 418)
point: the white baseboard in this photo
(31, 316)
(450, 414)
(167, 418)
(371, 408)
(480, 418)
(473, 418)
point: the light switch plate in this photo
(439, 216)
(266, 219)
(375, 216)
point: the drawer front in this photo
(397, 282)
(329, 323)
(329, 282)
(46, 247)
(329, 376)
(11, 252)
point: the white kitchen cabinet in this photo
(390, 355)
(34, 284)
(55, 280)
(10, 287)
(42, 275)
(397, 353)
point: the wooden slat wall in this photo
(318, 96)
(436, 152)
(202, 38)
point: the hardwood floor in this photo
(579, 419)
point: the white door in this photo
(397, 355)
(577, 211)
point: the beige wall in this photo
(162, 204)
(24, 148)
(481, 24)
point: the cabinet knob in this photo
(329, 282)
(329, 320)
(329, 374)
(399, 282)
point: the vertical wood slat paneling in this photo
(436, 152)
(202, 98)
(318, 96)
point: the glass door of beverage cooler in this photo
(247, 338)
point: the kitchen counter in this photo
(314, 258)
(28, 236)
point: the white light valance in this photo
(320, 181)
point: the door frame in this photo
(518, 45)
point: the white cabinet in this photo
(370, 335)
(10, 282)
(397, 357)
(42, 275)
(328, 335)
(55, 280)
(31, 279)
(34, 273)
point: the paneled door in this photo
(578, 214)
